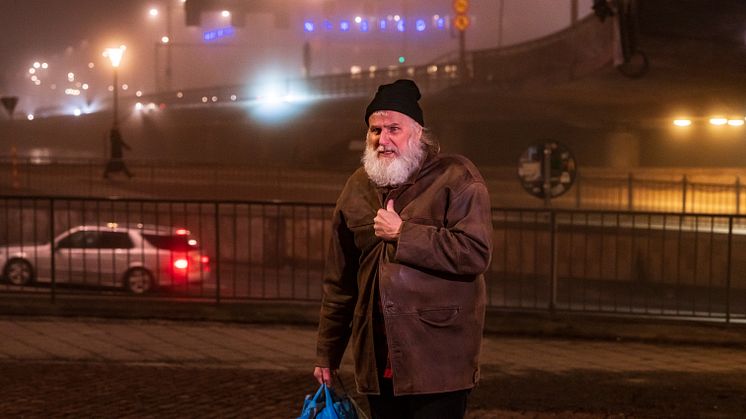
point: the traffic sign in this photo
(547, 170)
(461, 6)
(9, 102)
(461, 22)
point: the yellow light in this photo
(165, 40)
(36, 64)
(153, 12)
(682, 122)
(32, 70)
(718, 120)
(735, 122)
(85, 86)
(358, 19)
(115, 55)
(44, 65)
(225, 13)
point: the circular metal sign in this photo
(460, 6)
(461, 22)
(550, 159)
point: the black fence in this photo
(633, 263)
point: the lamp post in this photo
(164, 42)
(115, 56)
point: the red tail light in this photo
(181, 264)
(205, 260)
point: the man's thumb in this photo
(390, 205)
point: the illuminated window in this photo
(364, 26)
(420, 25)
(440, 23)
(328, 25)
(382, 24)
(400, 25)
(308, 26)
(344, 26)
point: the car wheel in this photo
(138, 281)
(18, 272)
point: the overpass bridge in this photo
(562, 87)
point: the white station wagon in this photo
(139, 258)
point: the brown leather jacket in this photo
(430, 282)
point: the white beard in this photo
(393, 172)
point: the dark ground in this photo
(67, 389)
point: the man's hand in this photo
(324, 375)
(387, 224)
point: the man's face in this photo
(393, 149)
(389, 134)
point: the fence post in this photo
(728, 270)
(738, 194)
(630, 192)
(52, 265)
(217, 253)
(553, 261)
(683, 193)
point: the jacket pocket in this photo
(438, 316)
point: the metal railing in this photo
(633, 263)
(645, 190)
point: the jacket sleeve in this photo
(462, 247)
(339, 295)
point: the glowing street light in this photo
(115, 56)
(153, 12)
(718, 120)
(682, 122)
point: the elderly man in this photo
(403, 277)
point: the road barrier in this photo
(633, 263)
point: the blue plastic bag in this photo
(325, 404)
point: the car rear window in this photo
(173, 243)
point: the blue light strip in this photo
(382, 24)
(216, 34)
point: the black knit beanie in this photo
(400, 96)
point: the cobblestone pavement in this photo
(63, 367)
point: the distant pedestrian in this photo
(306, 59)
(116, 154)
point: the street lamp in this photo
(115, 56)
(165, 43)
